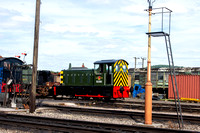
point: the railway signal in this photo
(24, 54)
(17, 56)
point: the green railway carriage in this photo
(108, 79)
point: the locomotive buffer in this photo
(166, 35)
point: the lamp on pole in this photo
(148, 85)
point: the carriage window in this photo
(81, 78)
(117, 68)
(137, 77)
(7, 65)
(88, 78)
(160, 77)
(66, 78)
(98, 68)
(73, 78)
(124, 68)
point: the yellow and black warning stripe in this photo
(120, 73)
(61, 77)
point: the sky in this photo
(84, 31)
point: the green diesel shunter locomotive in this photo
(108, 79)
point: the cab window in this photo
(117, 68)
(98, 68)
(108, 68)
(124, 68)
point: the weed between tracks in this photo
(172, 125)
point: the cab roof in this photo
(112, 61)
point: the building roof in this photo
(78, 68)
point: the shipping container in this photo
(188, 86)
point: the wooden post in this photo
(35, 58)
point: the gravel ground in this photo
(105, 118)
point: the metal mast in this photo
(148, 85)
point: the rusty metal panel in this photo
(129, 80)
(188, 86)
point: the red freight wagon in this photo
(188, 86)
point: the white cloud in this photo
(60, 47)
(137, 9)
(99, 1)
(24, 18)
(89, 30)
(54, 28)
(110, 46)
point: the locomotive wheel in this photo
(96, 98)
(86, 98)
(107, 98)
(54, 97)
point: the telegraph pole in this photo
(148, 85)
(135, 61)
(143, 58)
(35, 58)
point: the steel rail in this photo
(156, 106)
(140, 105)
(194, 119)
(65, 125)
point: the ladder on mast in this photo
(170, 59)
(172, 72)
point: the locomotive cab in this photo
(113, 74)
(103, 73)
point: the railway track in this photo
(132, 114)
(169, 107)
(63, 125)
(159, 103)
(140, 105)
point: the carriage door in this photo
(109, 74)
